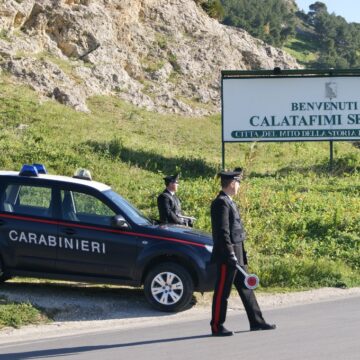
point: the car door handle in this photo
(68, 231)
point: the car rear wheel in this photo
(169, 287)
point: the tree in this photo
(269, 20)
(318, 7)
(339, 41)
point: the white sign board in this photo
(291, 109)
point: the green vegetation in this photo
(161, 41)
(213, 8)
(16, 315)
(295, 211)
(337, 40)
(4, 35)
(270, 20)
(302, 48)
(152, 64)
(316, 39)
(303, 223)
(67, 66)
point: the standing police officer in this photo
(229, 236)
(169, 204)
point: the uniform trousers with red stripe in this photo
(228, 275)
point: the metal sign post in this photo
(331, 155)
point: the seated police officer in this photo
(169, 204)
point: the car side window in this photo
(27, 200)
(5, 204)
(82, 207)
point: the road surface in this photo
(326, 330)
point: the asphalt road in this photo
(325, 330)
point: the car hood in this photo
(181, 232)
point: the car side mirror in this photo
(120, 222)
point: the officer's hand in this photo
(232, 260)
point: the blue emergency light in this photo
(29, 170)
(40, 168)
(32, 170)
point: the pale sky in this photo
(348, 9)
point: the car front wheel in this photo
(169, 287)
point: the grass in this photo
(151, 64)
(303, 47)
(296, 48)
(67, 66)
(303, 221)
(196, 104)
(4, 35)
(19, 314)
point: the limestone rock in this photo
(153, 53)
(48, 79)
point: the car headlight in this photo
(209, 248)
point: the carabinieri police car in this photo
(77, 229)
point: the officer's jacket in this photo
(169, 208)
(227, 230)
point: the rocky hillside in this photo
(165, 55)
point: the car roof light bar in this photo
(28, 170)
(40, 168)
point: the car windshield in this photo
(134, 214)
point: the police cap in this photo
(171, 179)
(231, 175)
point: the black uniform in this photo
(169, 208)
(229, 236)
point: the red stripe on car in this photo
(53, 222)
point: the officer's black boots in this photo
(222, 331)
(264, 326)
